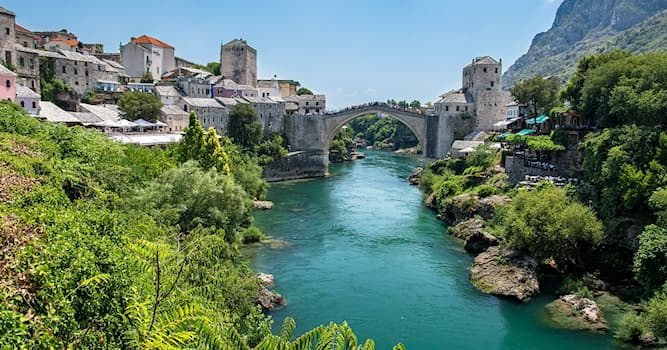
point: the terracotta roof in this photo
(70, 42)
(19, 28)
(145, 39)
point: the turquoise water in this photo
(364, 250)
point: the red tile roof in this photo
(70, 42)
(145, 39)
(20, 28)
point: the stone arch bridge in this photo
(309, 137)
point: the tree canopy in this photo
(135, 105)
(243, 127)
(540, 95)
(303, 91)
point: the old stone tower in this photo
(482, 79)
(238, 62)
(7, 36)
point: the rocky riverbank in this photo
(266, 298)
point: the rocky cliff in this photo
(587, 27)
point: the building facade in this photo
(238, 62)
(7, 84)
(308, 104)
(27, 99)
(146, 54)
(7, 36)
(481, 96)
(210, 112)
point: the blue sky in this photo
(354, 51)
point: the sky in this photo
(354, 51)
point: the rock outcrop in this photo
(267, 299)
(466, 206)
(263, 205)
(465, 229)
(505, 273)
(416, 176)
(479, 241)
(576, 312)
(586, 27)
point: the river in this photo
(363, 249)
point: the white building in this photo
(27, 99)
(167, 94)
(146, 54)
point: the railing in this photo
(381, 105)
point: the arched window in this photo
(23, 104)
(34, 104)
(8, 83)
(64, 70)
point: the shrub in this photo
(252, 235)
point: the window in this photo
(76, 72)
(7, 30)
(99, 67)
(8, 83)
(484, 70)
(32, 63)
(317, 103)
(496, 70)
(457, 108)
(75, 63)
(306, 103)
(76, 83)
(86, 73)
(446, 108)
(85, 64)
(64, 70)
(32, 84)
(492, 84)
(21, 62)
(23, 104)
(466, 108)
(34, 104)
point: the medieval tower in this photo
(238, 62)
(7, 37)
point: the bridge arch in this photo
(413, 121)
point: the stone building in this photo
(57, 44)
(146, 54)
(82, 72)
(481, 96)
(267, 88)
(238, 62)
(308, 104)
(26, 38)
(228, 88)
(271, 113)
(209, 111)
(196, 87)
(167, 94)
(27, 67)
(7, 36)
(176, 118)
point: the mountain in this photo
(587, 27)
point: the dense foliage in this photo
(381, 133)
(243, 127)
(135, 105)
(539, 95)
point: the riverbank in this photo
(343, 245)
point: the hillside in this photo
(586, 27)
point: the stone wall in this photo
(491, 107)
(81, 76)
(28, 69)
(7, 38)
(297, 165)
(567, 164)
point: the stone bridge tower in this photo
(238, 62)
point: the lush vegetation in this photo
(613, 225)
(245, 130)
(135, 105)
(539, 95)
(303, 91)
(116, 246)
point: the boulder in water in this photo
(505, 273)
(479, 241)
(416, 176)
(263, 205)
(576, 312)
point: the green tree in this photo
(303, 91)
(540, 95)
(618, 88)
(188, 196)
(147, 78)
(415, 104)
(213, 67)
(650, 262)
(191, 145)
(50, 90)
(548, 224)
(213, 154)
(243, 127)
(271, 149)
(139, 105)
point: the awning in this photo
(144, 123)
(505, 122)
(539, 120)
(504, 135)
(525, 132)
